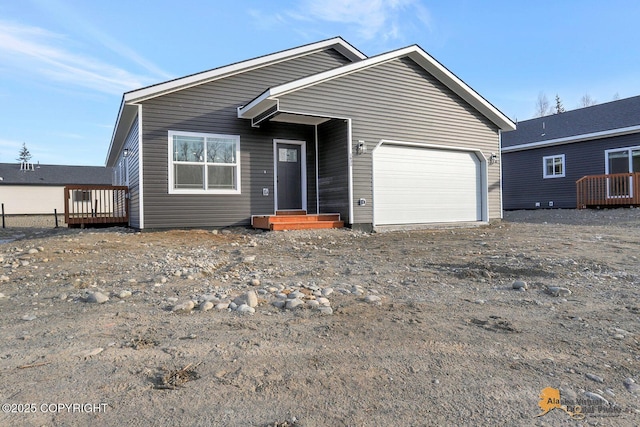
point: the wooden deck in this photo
(96, 205)
(295, 220)
(620, 189)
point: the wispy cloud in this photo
(71, 18)
(370, 19)
(29, 49)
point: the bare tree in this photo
(542, 106)
(559, 106)
(586, 101)
(616, 96)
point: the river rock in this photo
(245, 309)
(88, 353)
(324, 302)
(205, 306)
(97, 298)
(222, 306)
(249, 298)
(556, 291)
(373, 299)
(520, 285)
(631, 386)
(294, 303)
(596, 397)
(595, 378)
(184, 307)
(326, 311)
(327, 291)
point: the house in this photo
(391, 139)
(544, 158)
(27, 189)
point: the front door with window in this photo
(290, 175)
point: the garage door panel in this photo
(423, 185)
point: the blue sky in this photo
(64, 64)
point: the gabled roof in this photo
(268, 99)
(337, 43)
(599, 121)
(128, 109)
(11, 174)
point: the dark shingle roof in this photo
(598, 118)
(11, 174)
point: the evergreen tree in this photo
(559, 106)
(24, 155)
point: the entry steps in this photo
(296, 220)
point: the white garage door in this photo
(414, 185)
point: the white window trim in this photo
(173, 190)
(544, 167)
(630, 150)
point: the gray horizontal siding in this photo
(212, 108)
(333, 175)
(400, 101)
(522, 172)
(132, 164)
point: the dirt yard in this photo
(325, 328)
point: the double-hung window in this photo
(553, 166)
(204, 163)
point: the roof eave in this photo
(463, 90)
(416, 54)
(126, 116)
(337, 43)
(575, 138)
(260, 104)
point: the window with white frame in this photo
(553, 166)
(204, 163)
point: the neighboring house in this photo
(391, 139)
(544, 157)
(39, 189)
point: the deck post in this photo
(96, 204)
(619, 189)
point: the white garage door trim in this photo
(380, 218)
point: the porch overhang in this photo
(265, 108)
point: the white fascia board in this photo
(254, 107)
(200, 78)
(126, 115)
(416, 54)
(257, 106)
(575, 138)
(454, 83)
(338, 72)
(113, 135)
